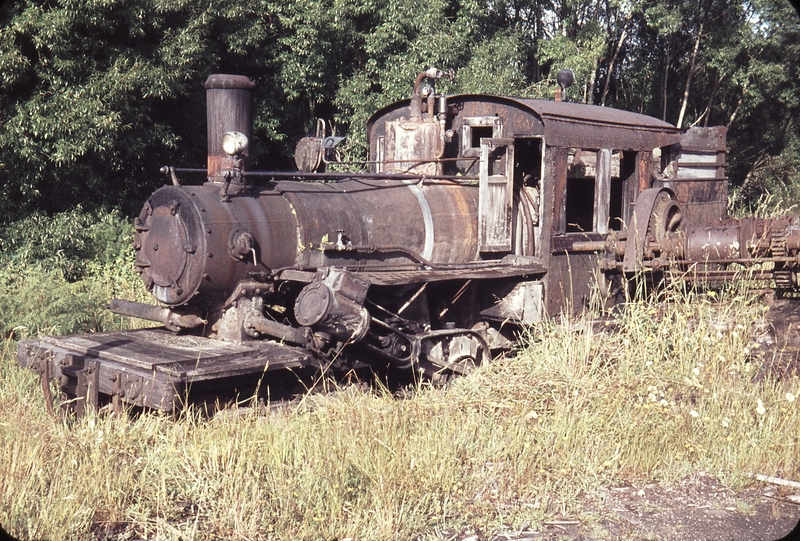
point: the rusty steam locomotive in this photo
(479, 214)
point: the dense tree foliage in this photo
(97, 94)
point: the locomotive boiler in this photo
(479, 215)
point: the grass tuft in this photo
(663, 391)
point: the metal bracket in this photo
(117, 392)
(88, 387)
(46, 373)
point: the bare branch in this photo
(622, 36)
(689, 77)
(738, 104)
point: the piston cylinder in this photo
(714, 243)
(335, 306)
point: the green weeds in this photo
(664, 390)
(58, 273)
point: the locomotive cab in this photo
(557, 181)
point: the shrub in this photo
(58, 272)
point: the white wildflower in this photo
(761, 410)
(694, 413)
(790, 397)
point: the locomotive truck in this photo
(478, 215)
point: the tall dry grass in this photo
(518, 441)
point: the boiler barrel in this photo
(191, 247)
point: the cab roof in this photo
(568, 124)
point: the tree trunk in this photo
(707, 112)
(761, 159)
(611, 64)
(664, 84)
(689, 77)
(738, 104)
(592, 79)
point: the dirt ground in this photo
(697, 509)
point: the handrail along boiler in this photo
(479, 214)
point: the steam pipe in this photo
(338, 176)
(416, 97)
(254, 321)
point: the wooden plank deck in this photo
(186, 357)
(151, 367)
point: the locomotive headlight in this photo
(234, 142)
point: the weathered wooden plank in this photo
(602, 195)
(496, 191)
(146, 349)
(153, 366)
(279, 358)
(179, 356)
(701, 158)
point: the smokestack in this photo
(228, 108)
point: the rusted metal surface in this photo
(228, 108)
(748, 238)
(480, 214)
(600, 127)
(694, 169)
(170, 319)
(185, 236)
(561, 124)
